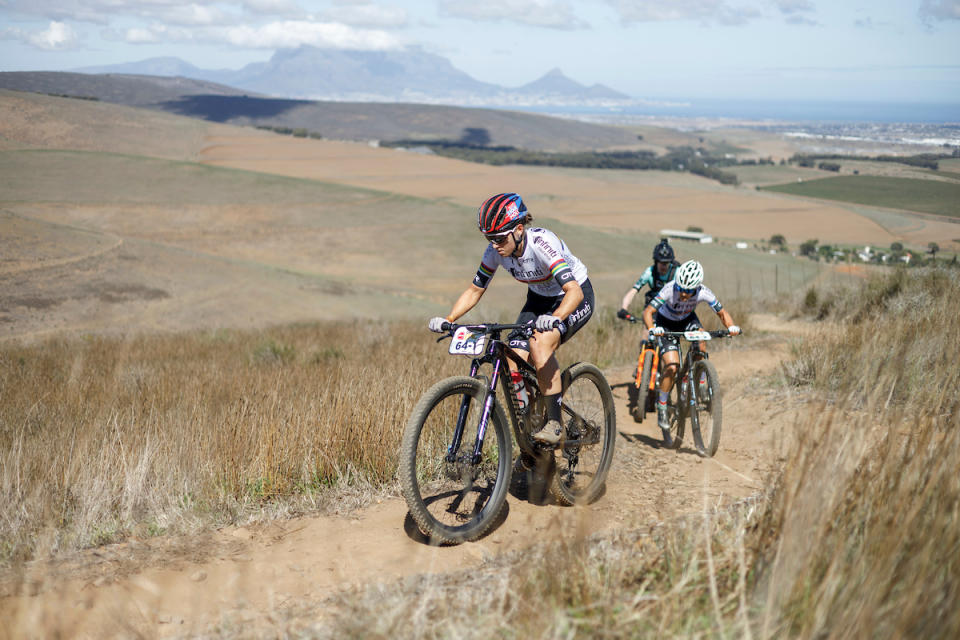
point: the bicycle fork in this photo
(690, 391)
(454, 447)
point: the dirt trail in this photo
(252, 576)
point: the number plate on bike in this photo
(696, 336)
(467, 343)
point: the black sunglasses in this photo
(498, 238)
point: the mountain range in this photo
(409, 75)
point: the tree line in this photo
(697, 161)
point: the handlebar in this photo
(527, 329)
(720, 333)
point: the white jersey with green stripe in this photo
(545, 266)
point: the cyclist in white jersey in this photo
(673, 309)
(559, 299)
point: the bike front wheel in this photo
(646, 371)
(707, 414)
(676, 414)
(591, 428)
(454, 495)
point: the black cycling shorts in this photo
(690, 323)
(538, 305)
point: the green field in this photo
(767, 174)
(923, 196)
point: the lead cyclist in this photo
(559, 295)
(673, 309)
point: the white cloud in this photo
(193, 15)
(294, 33)
(704, 11)
(57, 36)
(940, 10)
(141, 36)
(553, 14)
(367, 15)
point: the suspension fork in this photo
(689, 390)
(484, 416)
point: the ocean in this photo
(821, 126)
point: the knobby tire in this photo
(677, 414)
(588, 416)
(458, 501)
(709, 408)
(644, 389)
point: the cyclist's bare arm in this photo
(572, 297)
(628, 298)
(467, 300)
(648, 312)
(725, 318)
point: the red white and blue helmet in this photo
(501, 213)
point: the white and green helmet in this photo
(689, 276)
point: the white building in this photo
(702, 238)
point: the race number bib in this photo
(696, 336)
(467, 343)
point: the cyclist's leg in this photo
(669, 352)
(533, 307)
(543, 347)
(669, 364)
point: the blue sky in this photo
(843, 50)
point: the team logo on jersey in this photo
(526, 274)
(541, 242)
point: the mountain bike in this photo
(696, 392)
(456, 456)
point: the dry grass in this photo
(857, 536)
(103, 438)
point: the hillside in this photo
(337, 120)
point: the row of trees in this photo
(814, 250)
(924, 160)
(696, 161)
(290, 131)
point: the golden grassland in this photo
(104, 438)
(856, 537)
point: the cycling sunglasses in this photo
(687, 291)
(498, 238)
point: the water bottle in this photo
(519, 389)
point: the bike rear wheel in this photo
(591, 425)
(708, 408)
(452, 497)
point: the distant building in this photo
(698, 236)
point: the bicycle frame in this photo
(686, 393)
(497, 354)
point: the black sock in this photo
(553, 406)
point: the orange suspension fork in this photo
(653, 369)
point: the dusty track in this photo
(262, 574)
